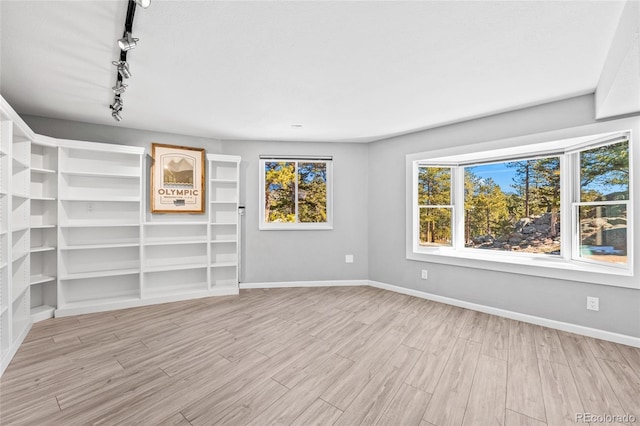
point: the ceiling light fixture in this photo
(123, 68)
(119, 88)
(143, 3)
(126, 43)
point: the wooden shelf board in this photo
(224, 264)
(224, 180)
(100, 225)
(166, 268)
(171, 243)
(99, 274)
(42, 226)
(223, 224)
(223, 241)
(41, 279)
(98, 246)
(43, 198)
(173, 223)
(102, 174)
(42, 248)
(42, 171)
(103, 199)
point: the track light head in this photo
(123, 68)
(117, 104)
(127, 42)
(143, 3)
(116, 115)
(119, 88)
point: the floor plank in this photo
(304, 356)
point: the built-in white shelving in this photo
(75, 238)
(15, 253)
(43, 224)
(99, 218)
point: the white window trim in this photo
(562, 267)
(276, 226)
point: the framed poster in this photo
(177, 179)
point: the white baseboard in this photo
(545, 322)
(286, 284)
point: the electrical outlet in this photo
(425, 274)
(593, 303)
(348, 258)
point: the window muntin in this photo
(513, 206)
(295, 194)
(435, 206)
(579, 158)
(601, 211)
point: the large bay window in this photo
(564, 205)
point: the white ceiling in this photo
(345, 71)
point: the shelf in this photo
(17, 195)
(42, 226)
(19, 294)
(100, 301)
(101, 174)
(42, 171)
(100, 225)
(171, 243)
(43, 198)
(99, 274)
(164, 268)
(41, 249)
(223, 241)
(3, 310)
(21, 229)
(105, 199)
(98, 246)
(4, 265)
(223, 223)
(223, 202)
(41, 279)
(224, 180)
(224, 264)
(173, 223)
(42, 312)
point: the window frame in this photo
(263, 225)
(568, 144)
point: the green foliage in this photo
(604, 173)
(280, 192)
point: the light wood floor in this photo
(344, 356)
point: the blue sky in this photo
(500, 173)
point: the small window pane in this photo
(312, 192)
(434, 186)
(514, 206)
(435, 226)
(603, 233)
(279, 189)
(604, 173)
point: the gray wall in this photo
(543, 297)
(268, 256)
(369, 217)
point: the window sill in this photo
(296, 227)
(530, 265)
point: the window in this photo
(295, 193)
(564, 204)
(514, 206)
